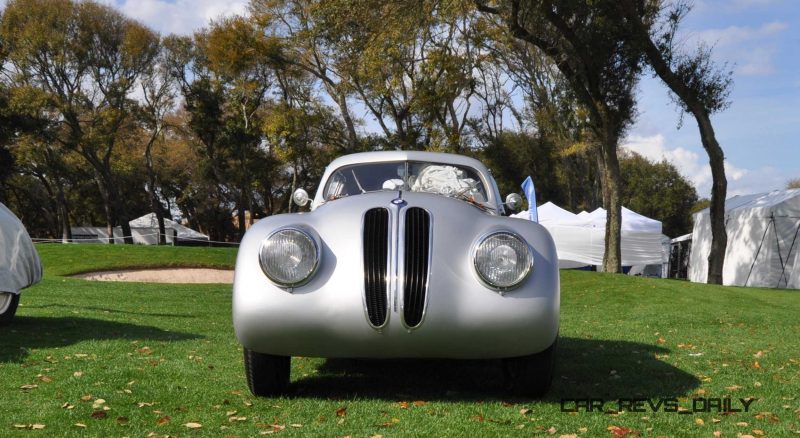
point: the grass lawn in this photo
(115, 359)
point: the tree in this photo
(700, 88)
(86, 58)
(659, 191)
(297, 23)
(793, 183)
(158, 96)
(585, 40)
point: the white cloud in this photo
(181, 17)
(694, 166)
(752, 49)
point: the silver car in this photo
(403, 255)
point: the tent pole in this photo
(778, 244)
(788, 256)
(771, 222)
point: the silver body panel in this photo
(463, 318)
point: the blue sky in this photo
(758, 39)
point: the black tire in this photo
(267, 375)
(531, 375)
(11, 310)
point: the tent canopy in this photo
(763, 241)
(20, 266)
(150, 221)
(580, 239)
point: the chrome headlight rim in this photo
(528, 269)
(310, 235)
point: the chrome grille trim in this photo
(375, 245)
(416, 264)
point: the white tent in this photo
(580, 239)
(763, 241)
(144, 231)
(19, 262)
(150, 222)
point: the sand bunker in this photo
(182, 275)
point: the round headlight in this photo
(503, 260)
(289, 257)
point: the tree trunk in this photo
(612, 200)
(155, 204)
(63, 215)
(108, 210)
(719, 188)
(352, 136)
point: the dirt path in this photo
(182, 275)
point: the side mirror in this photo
(513, 201)
(300, 197)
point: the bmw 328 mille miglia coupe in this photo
(403, 255)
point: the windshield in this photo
(439, 178)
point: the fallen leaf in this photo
(661, 340)
(699, 421)
(583, 429)
(419, 403)
(45, 379)
(717, 434)
(97, 403)
(122, 421)
(296, 425)
(67, 406)
(621, 432)
(86, 397)
(741, 424)
(569, 435)
(144, 404)
(37, 426)
(552, 430)
(28, 387)
(758, 354)
(99, 415)
(77, 374)
(756, 365)
(192, 425)
(733, 388)
(403, 404)
(80, 425)
(341, 412)
(232, 419)
(524, 411)
(477, 418)
(758, 432)
(144, 350)
(20, 426)
(164, 420)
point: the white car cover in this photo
(20, 266)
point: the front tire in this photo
(8, 307)
(267, 374)
(531, 375)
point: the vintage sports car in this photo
(19, 263)
(403, 255)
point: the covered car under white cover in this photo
(20, 266)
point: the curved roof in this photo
(434, 157)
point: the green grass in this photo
(162, 356)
